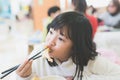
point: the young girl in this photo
(73, 53)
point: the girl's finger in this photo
(29, 71)
(26, 68)
(22, 66)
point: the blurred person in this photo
(29, 15)
(73, 53)
(81, 6)
(111, 17)
(91, 10)
(52, 13)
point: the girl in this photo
(73, 53)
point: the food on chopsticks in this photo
(46, 55)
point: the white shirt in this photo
(98, 69)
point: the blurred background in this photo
(23, 25)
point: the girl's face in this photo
(112, 8)
(59, 43)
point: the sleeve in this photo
(105, 70)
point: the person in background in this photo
(52, 13)
(71, 48)
(111, 18)
(81, 6)
(91, 11)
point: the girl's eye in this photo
(61, 39)
(51, 32)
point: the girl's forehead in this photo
(63, 32)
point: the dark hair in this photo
(80, 5)
(117, 5)
(93, 9)
(53, 9)
(79, 31)
(48, 27)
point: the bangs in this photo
(64, 28)
(57, 24)
(65, 31)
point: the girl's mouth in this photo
(50, 51)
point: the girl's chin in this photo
(51, 55)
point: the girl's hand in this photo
(25, 69)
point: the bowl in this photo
(53, 77)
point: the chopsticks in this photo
(8, 71)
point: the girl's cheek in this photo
(47, 38)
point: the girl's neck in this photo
(114, 14)
(61, 60)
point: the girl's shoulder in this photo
(99, 61)
(101, 64)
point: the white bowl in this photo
(53, 77)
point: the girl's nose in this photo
(51, 43)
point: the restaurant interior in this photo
(23, 23)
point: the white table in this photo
(108, 40)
